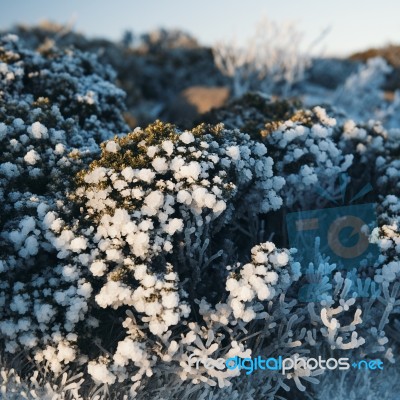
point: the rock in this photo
(194, 101)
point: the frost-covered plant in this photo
(54, 111)
(175, 188)
(272, 61)
(341, 321)
(311, 147)
(14, 387)
(41, 383)
(156, 204)
(73, 81)
(251, 112)
(362, 95)
(162, 39)
(306, 154)
(353, 385)
(135, 265)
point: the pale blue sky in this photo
(355, 24)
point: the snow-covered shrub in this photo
(387, 237)
(353, 385)
(178, 186)
(312, 147)
(131, 268)
(361, 95)
(302, 142)
(54, 111)
(15, 387)
(73, 81)
(272, 61)
(159, 207)
(365, 92)
(306, 154)
(162, 39)
(361, 91)
(251, 112)
(140, 274)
